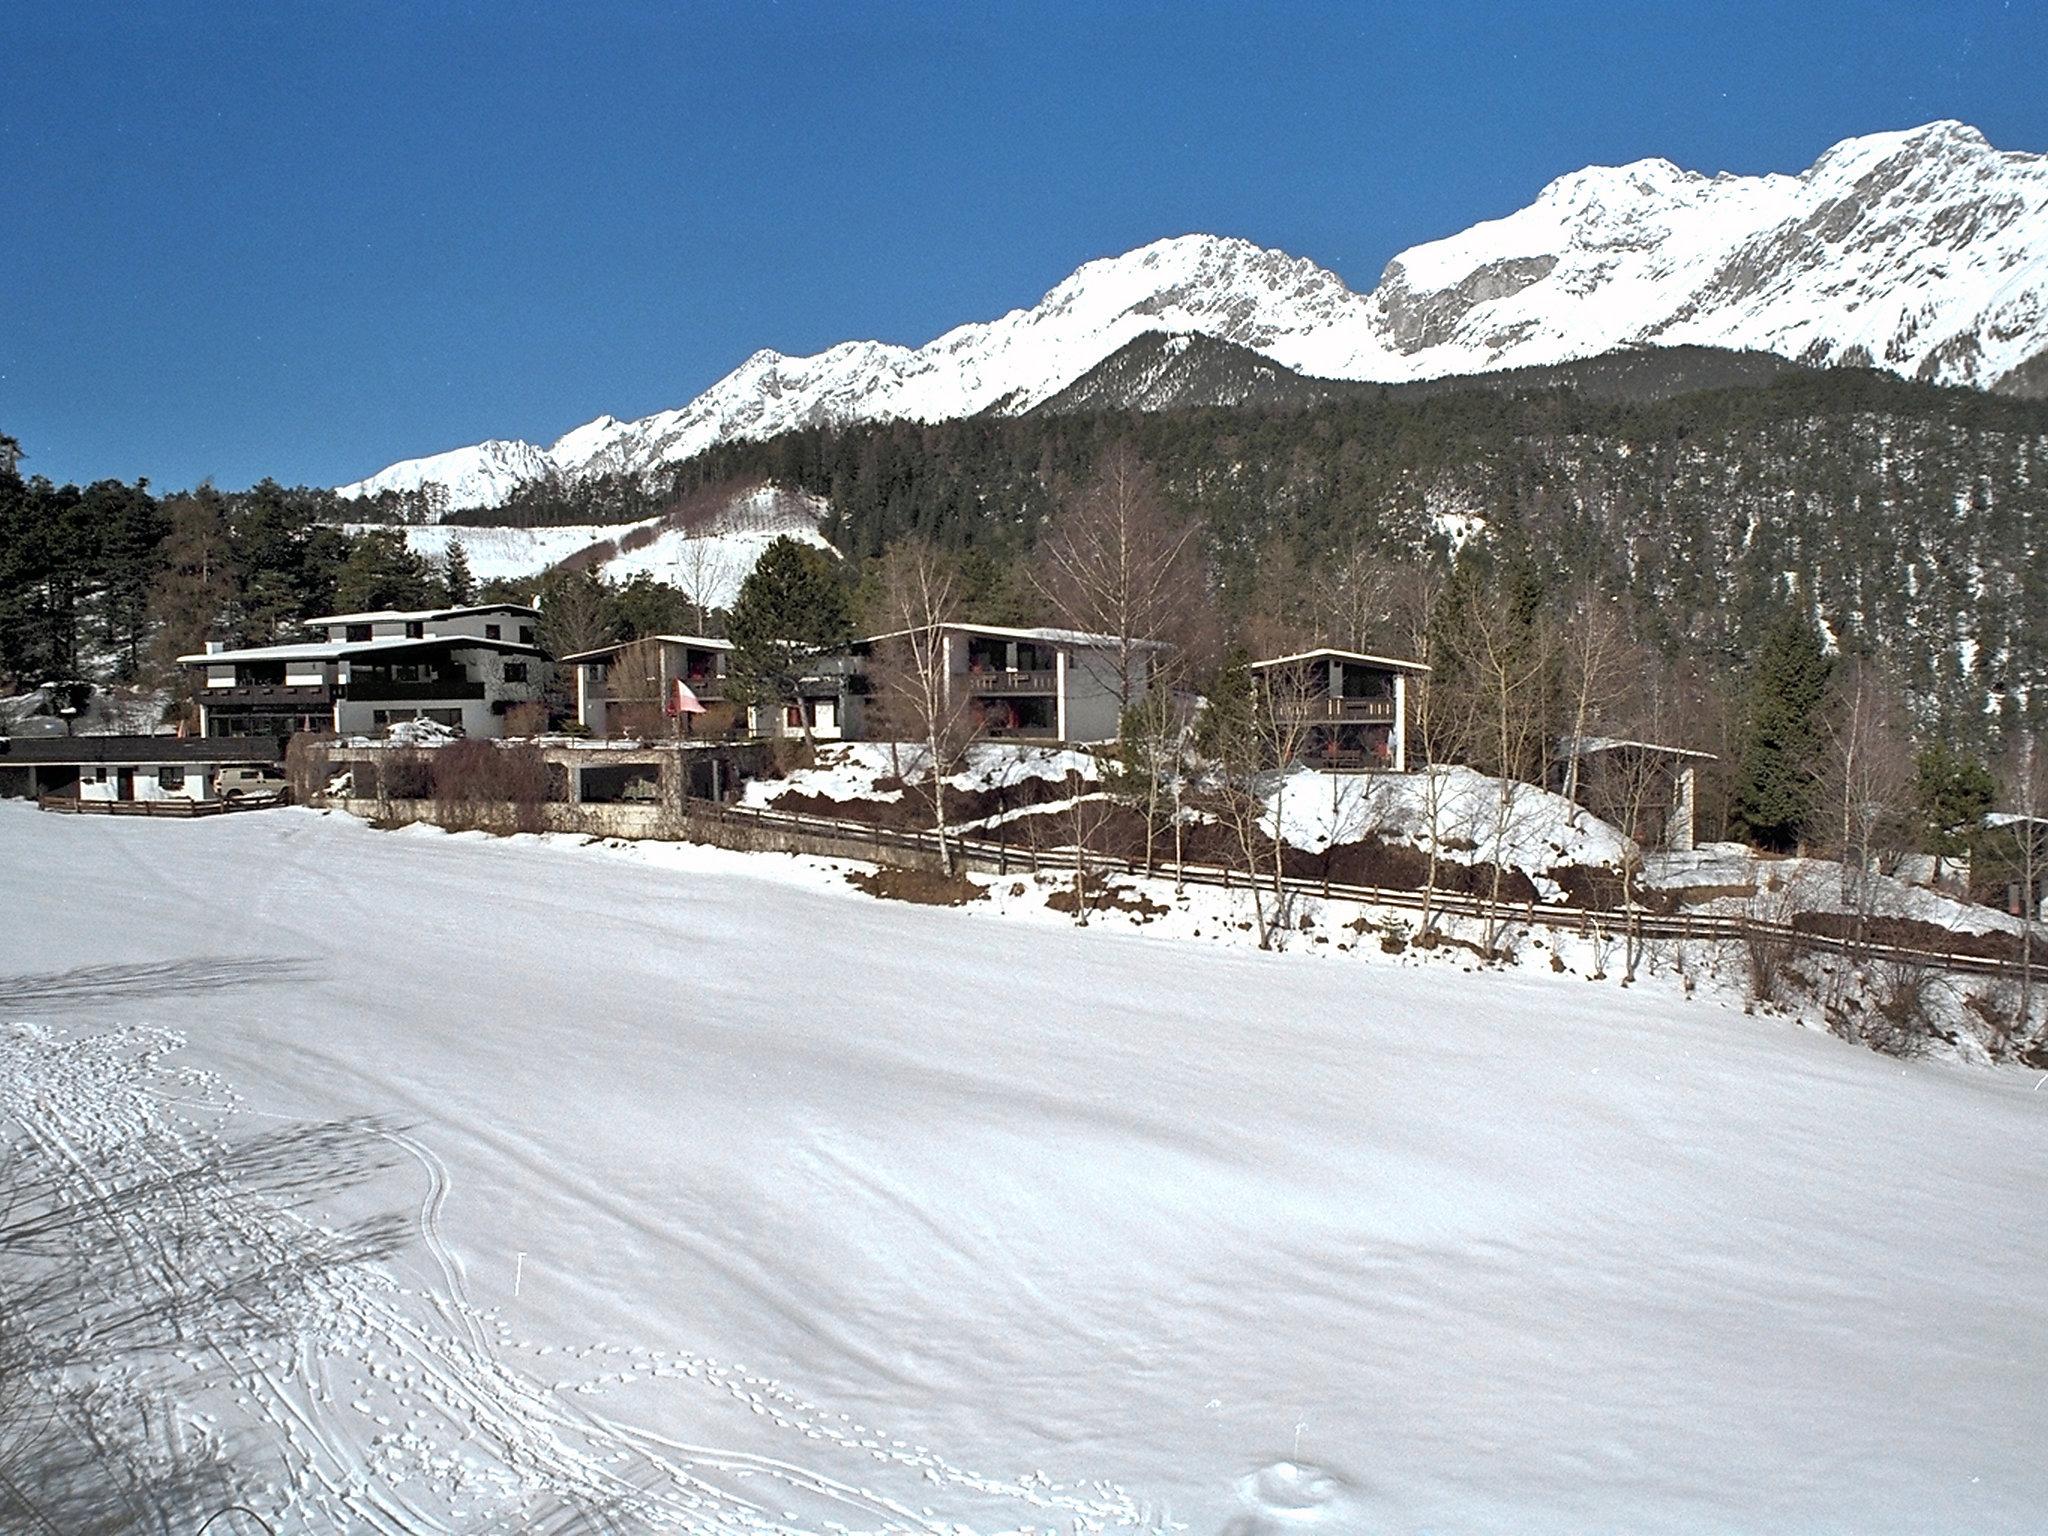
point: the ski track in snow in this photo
(459, 1438)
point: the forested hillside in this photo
(1912, 516)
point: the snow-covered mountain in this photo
(1923, 252)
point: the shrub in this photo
(491, 787)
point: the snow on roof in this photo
(1586, 746)
(1332, 653)
(696, 642)
(1049, 636)
(419, 615)
(342, 650)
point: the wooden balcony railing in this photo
(1323, 707)
(1012, 682)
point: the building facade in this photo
(1344, 710)
(464, 668)
(628, 689)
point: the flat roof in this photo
(1586, 746)
(696, 642)
(1044, 635)
(419, 615)
(343, 650)
(141, 749)
(1331, 653)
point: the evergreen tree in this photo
(1782, 728)
(644, 606)
(381, 571)
(194, 587)
(1951, 793)
(460, 585)
(131, 529)
(792, 606)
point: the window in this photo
(414, 630)
(492, 631)
(515, 671)
(526, 634)
(170, 778)
(99, 775)
(358, 632)
(793, 716)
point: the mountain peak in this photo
(1923, 251)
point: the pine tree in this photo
(195, 586)
(381, 571)
(792, 606)
(1951, 793)
(1776, 774)
(131, 529)
(460, 584)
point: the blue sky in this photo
(305, 240)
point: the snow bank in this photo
(851, 770)
(1471, 819)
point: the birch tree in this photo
(920, 586)
(1866, 776)
(1116, 561)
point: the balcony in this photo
(985, 683)
(1340, 710)
(387, 690)
(293, 695)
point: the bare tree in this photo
(634, 682)
(704, 569)
(1598, 661)
(1507, 665)
(1255, 728)
(2026, 856)
(1867, 776)
(1355, 595)
(920, 586)
(1116, 561)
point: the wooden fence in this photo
(73, 805)
(845, 837)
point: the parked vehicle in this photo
(249, 781)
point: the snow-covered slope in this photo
(738, 1202)
(1924, 252)
(708, 560)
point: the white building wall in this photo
(102, 781)
(1089, 710)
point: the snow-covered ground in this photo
(749, 1203)
(709, 564)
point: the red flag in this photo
(681, 701)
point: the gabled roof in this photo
(1079, 638)
(1331, 653)
(693, 642)
(346, 650)
(419, 615)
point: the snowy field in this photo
(735, 1200)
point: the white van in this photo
(248, 781)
